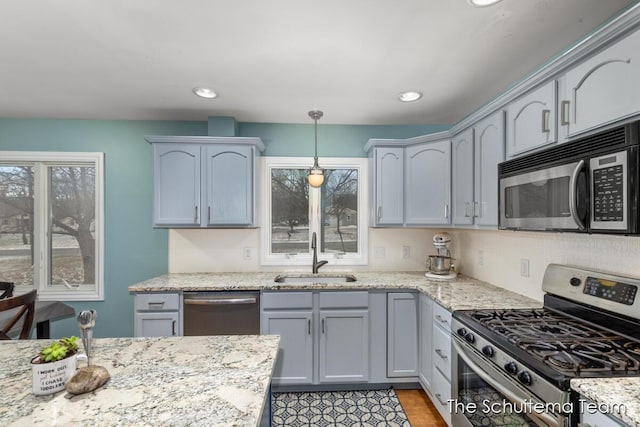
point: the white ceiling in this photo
(274, 60)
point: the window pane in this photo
(289, 211)
(16, 224)
(340, 211)
(72, 238)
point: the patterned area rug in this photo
(338, 408)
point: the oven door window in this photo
(491, 408)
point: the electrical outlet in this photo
(524, 267)
(378, 252)
(406, 252)
(481, 257)
(248, 253)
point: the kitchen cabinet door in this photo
(489, 151)
(402, 330)
(531, 120)
(294, 364)
(428, 183)
(425, 338)
(176, 175)
(344, 346)
(462, 177)
(389, 186)
(160, 324)
(591, 418)
(228, 180)
(604, 88)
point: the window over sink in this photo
(51, 211)
(293, 210)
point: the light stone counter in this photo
(178, 381)
(619, 397)
(462, 293)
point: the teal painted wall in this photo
(134, 251)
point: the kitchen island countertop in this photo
(178, 381)
(461, 293)
(619, 397)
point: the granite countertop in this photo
(619, 397)
(462, 293)
(177, 381)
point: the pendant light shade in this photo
(316, 173)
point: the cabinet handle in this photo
(441, 354)
(309, 326)
(446, 210)
(545, 121)
(153, 304)
(323, 326)
(466, 209)
(439, 397)
(564, 113)
(196, 218)
(379, 214)
(209, 214)
(173, 328)
(441, 319)
(476, 209)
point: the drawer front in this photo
(355, 299)
(442, 351)
(442, 317)
(441, 389)
(160, 301)
(287, 300)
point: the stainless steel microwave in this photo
(589, 185)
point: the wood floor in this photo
(419, 409)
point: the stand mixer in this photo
(440, 266)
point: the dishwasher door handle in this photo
(219, 301)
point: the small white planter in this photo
(51, 377)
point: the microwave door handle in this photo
(545, 418)
(573, 191)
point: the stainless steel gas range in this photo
(513, 367)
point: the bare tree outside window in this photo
(339, 211)
(289, 211)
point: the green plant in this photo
(59, 350)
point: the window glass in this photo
(72, 242)
(16, 231)
(340, 211)
(289, 211)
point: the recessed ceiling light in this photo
(204, 92)
(409, 96)
(483, 3)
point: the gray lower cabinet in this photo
(324, 335)
(441, 357)
(157, 314)
(591, 417)
(402, 330)
(425, 331)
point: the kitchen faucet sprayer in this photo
(315, 263)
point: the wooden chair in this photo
(25, 304)
(6, 290)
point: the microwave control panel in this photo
(609, 191)
(611, 290)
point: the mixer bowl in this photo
(439, 264)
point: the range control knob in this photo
(511, 367)
(487, 350)
(462, 332)
(575, 281)
(469, 337)
(525, 377)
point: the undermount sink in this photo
(313, 278)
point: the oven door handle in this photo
(573, 192)
(545, 418)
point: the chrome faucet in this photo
(316, 264)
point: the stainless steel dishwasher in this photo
(222, 313)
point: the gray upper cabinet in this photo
(531, 120)
(204, 181)
(229, 184)
(602, 89)
(428, 183)
(388, 202)
(176, 171)
(489, 151)
(462, 177)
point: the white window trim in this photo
(96, 292)
(335, 259)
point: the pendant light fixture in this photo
(316, 173)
